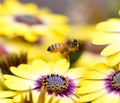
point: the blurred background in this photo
(79, 12)
(82, 11)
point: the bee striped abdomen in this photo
(55, 47)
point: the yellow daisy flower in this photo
(30, 22)
(108, 33)
(101, 85)
(56, 77)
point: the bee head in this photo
(75, 43)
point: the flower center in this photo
(12, 59)
(115, 80)
(28, 19)
(55, 83)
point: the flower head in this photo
(56, 78)
(102, 84)
(30, 22)
(108, 33)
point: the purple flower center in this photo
(113, 82)
(28, 19)
(56, 84)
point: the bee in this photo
(65, 47)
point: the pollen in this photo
(115, 80)
(55, 83)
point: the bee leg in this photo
(66, 55)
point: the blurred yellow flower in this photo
(33, 50)
(88, 59)
(108, 33)
(13, 7)
(101, 85)
(30, 22)
(55, 77)
(82, 32)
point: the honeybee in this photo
(65, 48)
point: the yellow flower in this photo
(7, 5)
(56, 77)
(87, 59)
(108, 33)
(101, 85)
(81, 32)
(30, 22)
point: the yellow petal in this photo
(84, 82)
(112, 98)
(40, 66)
(112, 25)
(101, 67)
(101, 99)
(59, 19)
(105, 37)
(4, 94)
(95, 75)
(75, 73)
(52, 99)
(66, 100)
(92, 96)
(30, 37)
(6, 101)
(111, 49)
(61, 66)
(117, 20)
(91, 87)
(17, 83)
(41, 30)
(113, 59)
(60, 29)
(24, 71)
